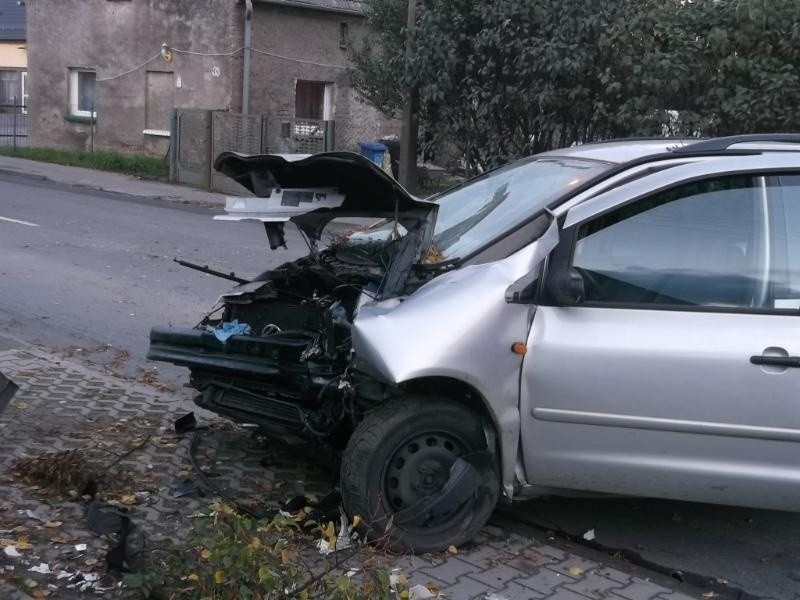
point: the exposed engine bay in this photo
(287, 363)
(276, 351)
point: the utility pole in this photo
(248, 40)
(410, 125)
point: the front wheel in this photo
(402, 458)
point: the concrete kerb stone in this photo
(105, 181)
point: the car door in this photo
(675, 375)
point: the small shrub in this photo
(231, 557)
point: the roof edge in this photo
(300, 4)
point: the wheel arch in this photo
(505, 425)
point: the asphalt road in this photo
(93, 271)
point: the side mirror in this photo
(566, 287)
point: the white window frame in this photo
(73, 93)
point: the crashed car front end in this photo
(392, 344)
(277, 350)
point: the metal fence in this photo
(200, 135)
(13, 125)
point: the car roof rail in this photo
(723, 143)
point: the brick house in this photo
(114, 78)
(13, 55)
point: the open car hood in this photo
(312, 190)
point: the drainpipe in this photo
(248, 37)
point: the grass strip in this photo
(137, 165)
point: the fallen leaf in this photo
(128, 499)
(356, 520)
(286, 555)
(219, 577)
(53, 524)
(452, 550)
(22, 405)
(193, 577)
(90, 562)
(22, 543)
(255, 543)
(329, 533)
(576, 571)
(205, 554)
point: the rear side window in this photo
(701, 244)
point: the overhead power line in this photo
(212, 54)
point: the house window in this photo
(81, 93)
(313, 100)
(343, 36)
(9, 89)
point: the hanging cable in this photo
(211, 54)
(299, 60)
(193, 53)
(144, 64)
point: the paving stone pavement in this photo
(64, 405)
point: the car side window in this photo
(701, 244)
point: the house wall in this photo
(115, 36)
(311, 36)
(13, 55)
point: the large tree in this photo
(508, 78)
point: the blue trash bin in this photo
(373, 151)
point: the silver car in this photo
(620, 318)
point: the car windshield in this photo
(492, 204)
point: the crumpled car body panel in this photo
(460, 326)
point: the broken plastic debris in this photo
(187, 487)
(187, 422)
(32, 515)
(419, 592)
(589, 535)
(81, 547)
(12, 552)
(229, 329)
(343, 540)
(42, 568)
(323, 547)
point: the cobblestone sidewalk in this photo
(64, 406)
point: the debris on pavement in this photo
(186, 423)
(7, 390)
(187, 487)
(44, 528)
(589, 535)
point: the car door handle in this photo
(776, 361)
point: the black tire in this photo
(403, 451)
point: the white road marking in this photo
(19, 222)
